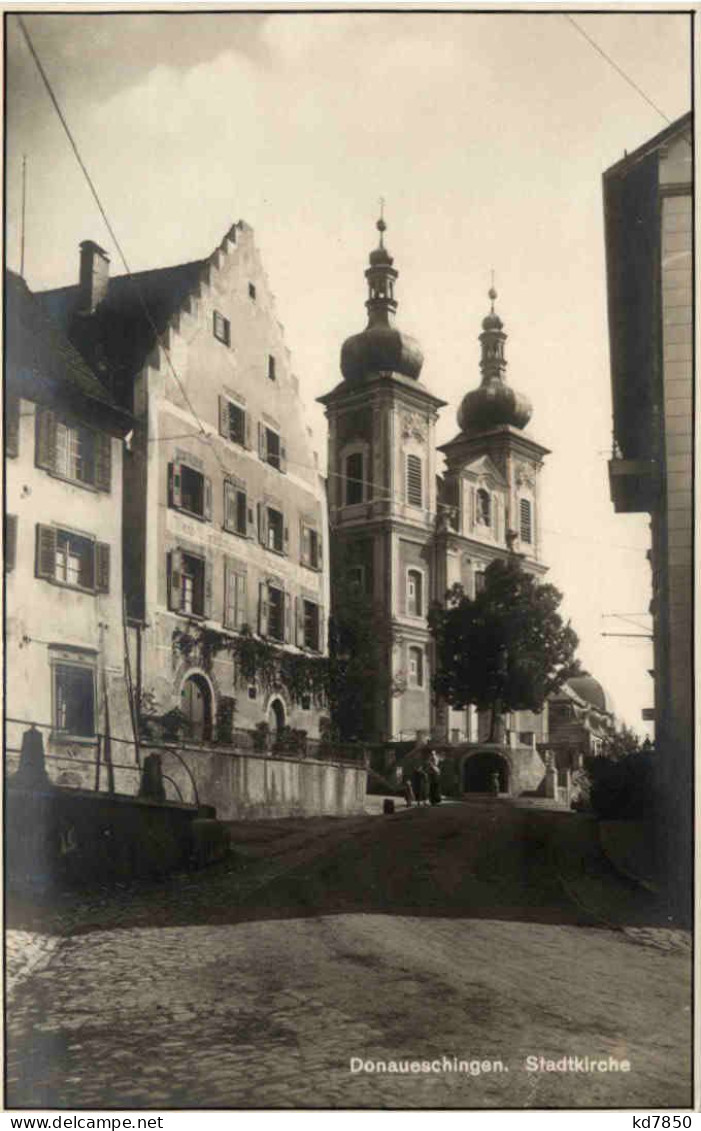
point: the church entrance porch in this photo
(481, 770)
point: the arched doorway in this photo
(479, 768)
(277, 712)
(196, 706)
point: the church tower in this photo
(382, 497)
(489, 501)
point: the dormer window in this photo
(222, 328)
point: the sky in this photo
(487, 136)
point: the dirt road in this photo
(480, 932)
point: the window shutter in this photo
(247, 430)
(262, 524)
(319, 552)
(228, 581)
(208, 591)
(286, 539)
(321, 642)
(102, 567)
(229, 506)
(12, 427)
(263, 608)
(10, 542)
(299, 622)
(175, 497)
(103, 461)
(46, 551)
(208, 498)
(283, 457)
(303, 543)
(251, 522)
(46, 439)
(241, 600)
(175, 597)
(262, 450)
(287, 612)
(224, 417)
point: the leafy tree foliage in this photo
(505, 650)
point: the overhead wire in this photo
(74, 146)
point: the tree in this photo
(359, 651)
(505, 650)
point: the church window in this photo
(414, 486)
(416, 667)
(414, 603)
(354, 478)
(484, 507)
(526, 521)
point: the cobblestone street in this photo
(450, 932)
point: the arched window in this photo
(526, 520)
(414, 593)
(416, 667)
(484, 507)
(354, 479)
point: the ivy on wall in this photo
(257, 661)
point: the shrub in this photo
(623, 789)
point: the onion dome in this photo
(381, 347)
(495, 402)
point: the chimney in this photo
(94, 276)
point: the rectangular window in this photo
(271, 368)
(526, 520)
(311, 547)
(10, 543)
(222, 328)
(479, 581)
(235, 509)
(189, 490)
(276, 530)
(416, 667)
(414, 488)
(272, 448)
(235, 603)
(12, 427)
(311, 625)
(276, 613)
(74, 700)
(354, 479)
(189, 584)
(237, 423)
(414, 593)
(73, 451)
(252, 291)
(72, 559)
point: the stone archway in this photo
(197, 705)
(478, 770)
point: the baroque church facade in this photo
(403, 531)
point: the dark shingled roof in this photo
(41, 362)
(118, 337)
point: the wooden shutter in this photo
(207, 596)
(321, 643)
(283, 457)
(251, 521)
(175, 593)
(175, 498)
(102, 567)
(285, 537)
(303, 543)
(287, 615)
(299, 622)
(12, 427)
(247, 430)
(228, 581)
(262, 446)
(103, 461)
(46, 552)
(241, 600)
(319, 551)
(241, 505)
(263, 608)
(10, 542)
(224, 417)
(262, 524)
(207, 494)
(46, 439)
(229, 506)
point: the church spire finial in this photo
(381, 225)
